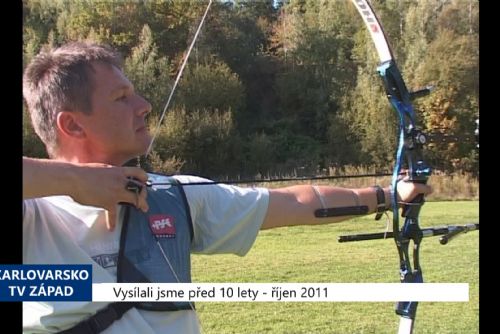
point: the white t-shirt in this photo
(226, 219)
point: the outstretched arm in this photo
(295, 205)
(92, 184)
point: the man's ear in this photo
(69, 125)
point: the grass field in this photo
(311, 254)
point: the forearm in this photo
(296, 205)
(42, 177)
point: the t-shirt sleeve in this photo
(226, 218)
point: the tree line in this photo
(273, 87)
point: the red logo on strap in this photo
(162, 225)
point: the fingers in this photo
(142, 203)
(133, 185)
(408, 190)
(110, 219)
(423, 188)
(116, 185)
(137, 177)
(137, 194)
(419, 188)
(136, 173)
(137, 198)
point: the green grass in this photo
(312, 254)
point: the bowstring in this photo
(177, 79)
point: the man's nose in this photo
(144, 107)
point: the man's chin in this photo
(143, 142)
(144, 147)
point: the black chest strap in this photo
(101, 320)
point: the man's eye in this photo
(121, 98)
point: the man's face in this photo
(116, 128)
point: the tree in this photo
(148, 71)
(450, 63)
(210, 86)
(204, 141)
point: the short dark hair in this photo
(61, 79)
